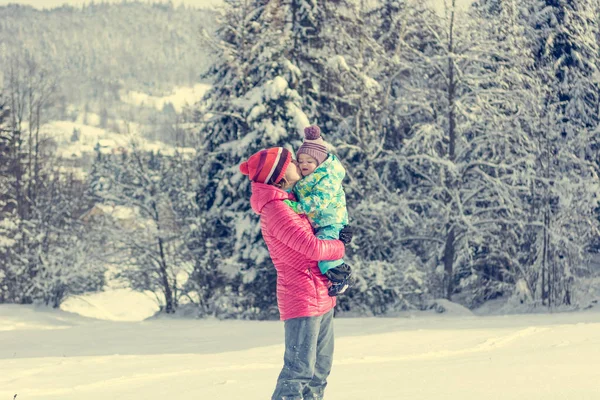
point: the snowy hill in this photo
(110, 305)
(76, 143)
(180, 97)
(54, 355)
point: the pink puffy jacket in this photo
(295, 250)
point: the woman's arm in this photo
(289, 228)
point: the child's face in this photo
(307, 164)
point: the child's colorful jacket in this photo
(321, 195)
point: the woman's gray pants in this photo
(307, 359)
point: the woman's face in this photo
(292, 173)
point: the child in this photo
(321, 197)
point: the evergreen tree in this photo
(462, 163)
(568, 52)
(388, 276)
(251, 106)
(66, 256)
(564, 197)
(46, 256)
(390, 24)
(8, 215)
(318, 38)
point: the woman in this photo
(302, 298)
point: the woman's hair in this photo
(281, 184)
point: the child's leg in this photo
(330, 232)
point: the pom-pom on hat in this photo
(313, 145)
(267, 166)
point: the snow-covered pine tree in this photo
(251, 106)
(568, 51)
(20, 184)
(506, 23)
(388, 276)
(565, 194)
(325, 51)
(8, 215)
(390, 273)
(44, 252)
(400, 31)
(66, 256)
(389, 22)
(319, 36)
(462, 162)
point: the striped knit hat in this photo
(313, 145)
(267, 166)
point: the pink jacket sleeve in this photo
(290, 229)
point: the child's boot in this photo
(340, 279)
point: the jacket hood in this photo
(262, 194)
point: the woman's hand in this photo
(346, 234)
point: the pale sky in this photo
(198, 3)
(57, 3)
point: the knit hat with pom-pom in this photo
(313, 145)
(267, 166)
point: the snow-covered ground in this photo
(54, 355)
(76, 140)
(109, 305)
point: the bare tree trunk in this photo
(529, 237)
(36, 164)
(449, 248)
(30, 108)
(545, 260)
(16, 94)
(294, 22)
(546, 273)
(169, 304)
(451, 90)
(449, 261)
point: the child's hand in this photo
(294, 205)
(346, 234)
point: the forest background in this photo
(470, 137)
